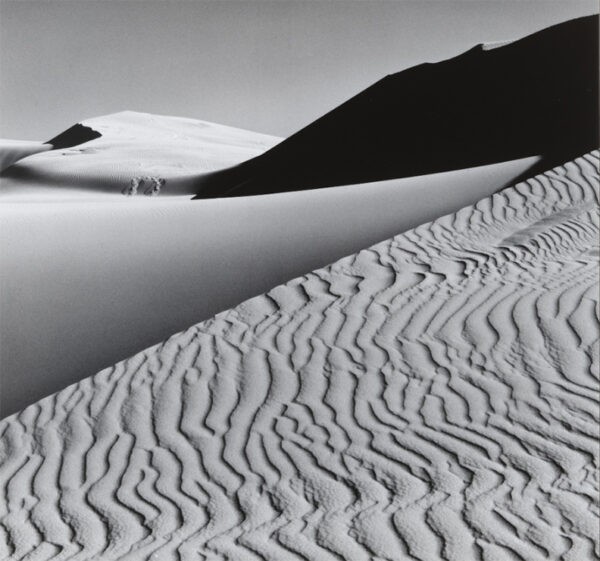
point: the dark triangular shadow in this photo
(77, 134)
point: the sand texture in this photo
(103, 276)
(432, 397)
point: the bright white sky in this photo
(271, 66)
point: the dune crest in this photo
(433, 397)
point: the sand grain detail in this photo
(432, 397)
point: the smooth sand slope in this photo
(84, 284)
(534, 96)
(432, 397)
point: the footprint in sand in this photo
(154, 185)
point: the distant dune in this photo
(534, 96)
(433, 397)
(129, 146)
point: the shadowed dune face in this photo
(85, 285)
(433, 397)
(536, 95)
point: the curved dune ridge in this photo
(12, 151)
(432, 397)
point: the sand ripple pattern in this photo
(432, 397)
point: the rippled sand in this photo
(432, 397)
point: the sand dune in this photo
(132, 145)
(84, 285)
(433, 397)
(536, 95)
(12, 151)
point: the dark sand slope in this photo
(434, 397)
(534, 96)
